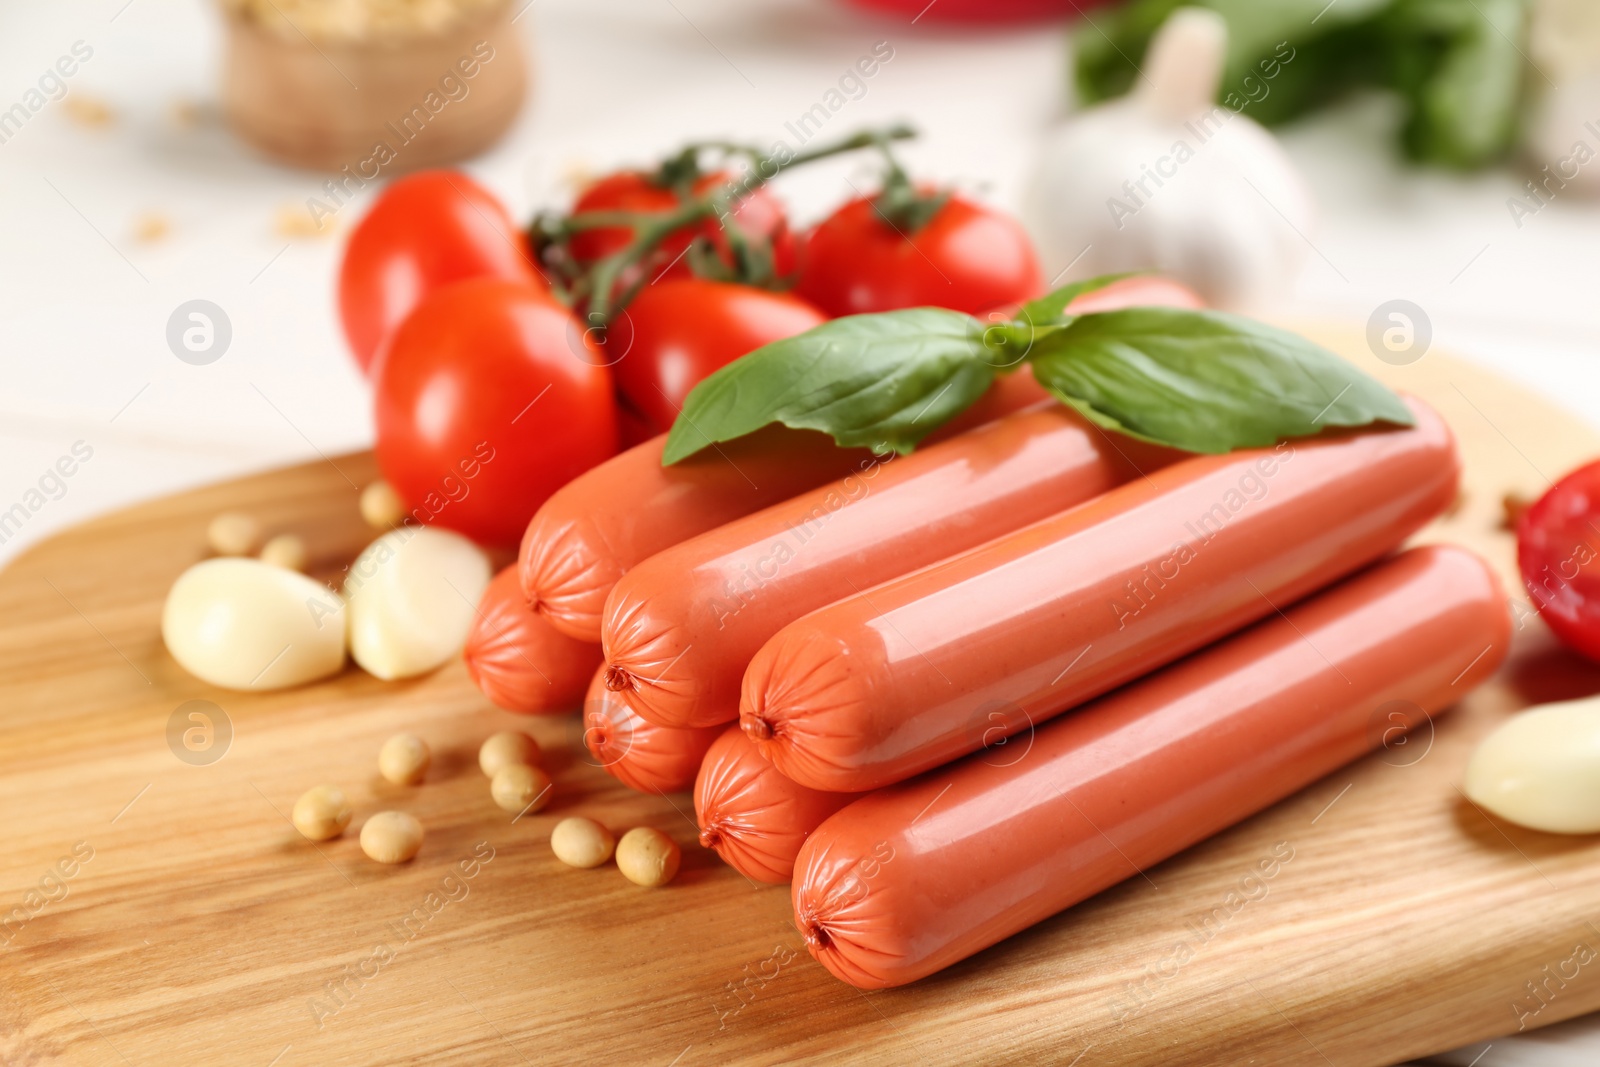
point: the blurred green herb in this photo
(1458, 65)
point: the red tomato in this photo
(966, 257)
(631, 427)
(489, 399)
(1558, 551)
(758, 215)
(677, 332)
(425, 231)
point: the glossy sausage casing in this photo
(681, 627)
(519, 660)
(914, 877)
(754, 817)
(598, 526)
(639, 754)
(918, 671)
(604, 522)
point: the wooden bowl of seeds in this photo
(372, 87)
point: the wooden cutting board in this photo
(158, 912)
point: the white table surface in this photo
(84, 303)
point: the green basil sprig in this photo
(1199, 381)
(888, 379)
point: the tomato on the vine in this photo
(425, 231)
(966, 257)
(1558, 552)
(489, 399)
(632, 429)
(677, 332)
(757, 214)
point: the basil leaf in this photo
(882, 381)
(1206, 381)
(1052, 307)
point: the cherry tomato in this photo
(1558, 552)
(489, 399)
(966, 257)
(676, 332)
(632, 429)
(425, 231)
(758, 215)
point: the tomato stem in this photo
(596, 285)
(900, 204)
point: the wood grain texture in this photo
(204, 930)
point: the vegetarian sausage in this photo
(753, 816)
(912, 878)
(519, 660)
(680, 627)
(884, 685)
(641, 755)
(1139, 290)
(605, 521)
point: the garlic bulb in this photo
(1164, 179)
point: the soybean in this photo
(322, 812)
(506, 749)
(580, 842)
(381, 506)
(391, 837)
(648, 857)
(286, 551)
(519, 787)
(404, 759)
(233, 533)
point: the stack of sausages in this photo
(862, 662)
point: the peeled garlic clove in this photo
(245, 624)
(413, 594)
(1541, 769)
